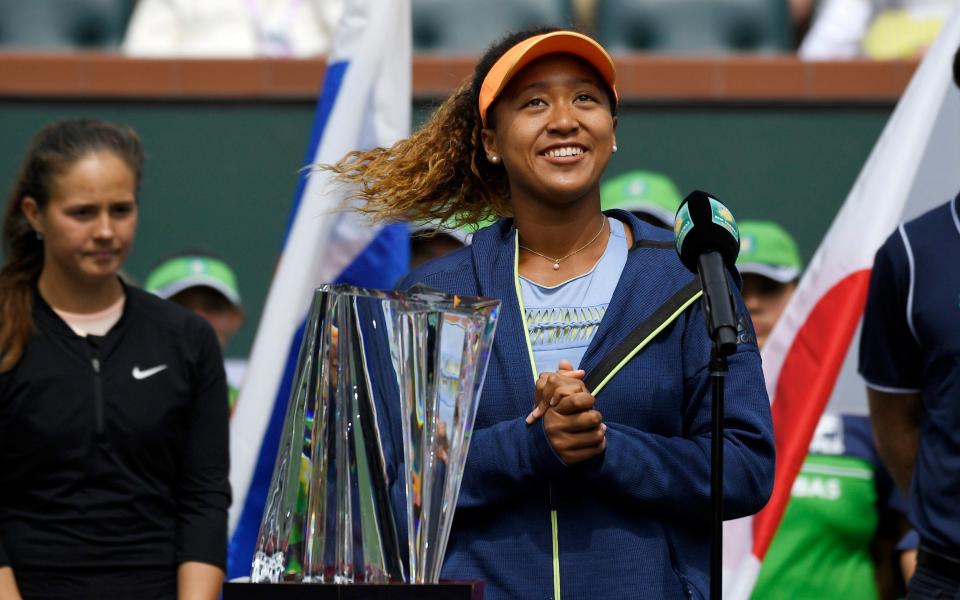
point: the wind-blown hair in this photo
(441, 172)
(54, 149)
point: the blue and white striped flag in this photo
(365, 102)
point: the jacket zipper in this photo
(97, 389)
(556, 543)
(526, 337)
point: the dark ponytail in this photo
(52, 152)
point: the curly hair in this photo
(440, 173)
(54, 149)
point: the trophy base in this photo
(453, 590)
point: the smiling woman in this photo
(113, 407)
(558, 498)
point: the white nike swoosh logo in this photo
(138, 374)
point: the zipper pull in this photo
(96, 365)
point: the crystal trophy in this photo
(335, 498)
(443, 345)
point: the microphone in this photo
(708, 241)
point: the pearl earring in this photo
(39, 236)
(614, 147)
(494, 159)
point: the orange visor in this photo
(530, 49)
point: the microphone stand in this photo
(722, 327)
(718, 373)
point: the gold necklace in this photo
(556, 261)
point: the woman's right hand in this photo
(574, 429)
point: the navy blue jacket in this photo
(634, 522)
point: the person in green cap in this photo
(769, 263)
(651, 196)
(430, 240)
(837, 534)
(207, 286)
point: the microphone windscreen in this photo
(704, 224)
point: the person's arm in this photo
(908, 564)
(8, 585)
(505, 460)
(154, 29)
(198, 581)
(896, 429)
(891, 509)
(671, 475)
(836, 31)
(891, 360)
(203, 488)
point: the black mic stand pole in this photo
(722, 328)
(718, 373)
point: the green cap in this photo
(182, 272)
(767, 249)
(642, 191)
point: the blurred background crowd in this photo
(817, 29)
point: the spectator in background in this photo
(207, 286)
(878, 29)
(430, 240)
(232, 28)
(651, 196)
(801, 13)
(113, 403)
(837, 535)
(770, 266)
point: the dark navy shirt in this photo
(911, 344)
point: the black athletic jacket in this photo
(113, 449)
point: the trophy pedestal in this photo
(458, 590)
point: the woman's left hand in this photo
(575, 429)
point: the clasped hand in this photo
(573, 427)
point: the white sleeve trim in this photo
(906, 244)
(891, 390)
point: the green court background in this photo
(220, 176)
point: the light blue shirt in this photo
(562, 319)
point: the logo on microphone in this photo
(724, 218)
(683, 225)
(745, 332)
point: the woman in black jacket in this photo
(113, 403)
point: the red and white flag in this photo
(810, 358)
